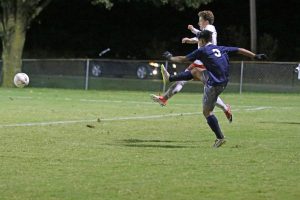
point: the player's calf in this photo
(182, 76)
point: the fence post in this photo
(87, 74)
(241, 77)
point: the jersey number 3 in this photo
(217, 52)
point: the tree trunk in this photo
(13, 44)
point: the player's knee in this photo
(189, 68)
(197, 74)
(206, 113)
(181, 83)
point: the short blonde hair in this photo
(207, 15)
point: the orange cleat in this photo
(159, 99)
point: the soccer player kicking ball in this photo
(206, 20)
(215, 59)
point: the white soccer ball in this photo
(21, 80)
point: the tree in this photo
(179, 4)
(17, 15)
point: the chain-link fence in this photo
(264, 77)
(145, 75)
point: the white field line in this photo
(20, 97)
(95, 120)
(46, 123)
(258, 108)
(150, 102)
(116, 118)
(114, 101)
(176, 104)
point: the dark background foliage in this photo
(78, 29)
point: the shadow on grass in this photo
(158, 146)
(158, 143)
(274, 122)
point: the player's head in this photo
(204, 37)
(206, 17)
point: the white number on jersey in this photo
(217, 52)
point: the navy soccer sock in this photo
(214, 125)
(182, 76)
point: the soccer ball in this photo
(21, 80)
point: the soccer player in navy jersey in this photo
(206, 21)
(215, 59)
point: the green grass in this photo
(152, 158)
(132, 84)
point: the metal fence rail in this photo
(144, 75)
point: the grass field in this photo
(74, 144)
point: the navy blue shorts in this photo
(210, 96)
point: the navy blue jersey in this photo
(215, 59)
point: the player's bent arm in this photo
(246, 53)
(190, 40)
(193, 29)
(179, 59)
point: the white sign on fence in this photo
(297, 70)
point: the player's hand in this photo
(167, 55)
(260, 56)
(190, 27)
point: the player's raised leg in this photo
(182, 76)
(176, 87)
(172, 90)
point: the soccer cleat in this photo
(165, 74)
(219, 142)
(228, 113)
(159, 99)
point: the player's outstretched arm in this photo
(250, 54)
(179, 59)
(172, 58)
